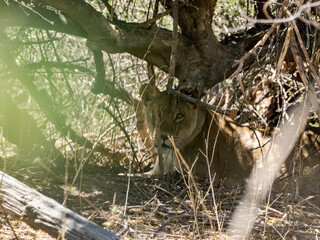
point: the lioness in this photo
(208, 142)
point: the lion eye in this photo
(179, 116)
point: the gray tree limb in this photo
(201, 60)
(44, 213)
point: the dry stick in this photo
(122, 127)
(148, 23)
(242, 90)
(198, 102)
(280, 20)
(305, 53)
(59, 60)
(110, 10)
(240, 62)
(158, 141)
(298, 59)
(211, 179)
(278, 69)
(261, 181)
(157, 134)
(163, 225)
(311, 95)
(157, 16)
(255, 48)
(42, 212)
(9, 223)
(172, 66)
(280, 61)
(307, 201)
(180, 158)
(284, 49)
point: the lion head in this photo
(207, 142)
(177, 118)
(174, 117)
(212, 144)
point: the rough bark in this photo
(201, 61)
(45, 213)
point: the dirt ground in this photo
(159, 209)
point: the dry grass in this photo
(159, 209)
(182, 209)
(21, 230)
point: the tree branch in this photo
(15, 14)
(44, 213)
(201, 61)
(94, 23)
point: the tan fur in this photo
(209, 141)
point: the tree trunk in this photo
(45, 213)
(201, 60)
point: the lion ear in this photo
(148, 91)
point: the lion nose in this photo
(164, 137)
(166, 141)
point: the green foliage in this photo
(62, 68)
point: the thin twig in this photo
(8, 221)
(305, 53)
(157, 16)
(280, 20)
(163, 225)
(199, 102)
(240, 62)
(172, 66)
(110, 10)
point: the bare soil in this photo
(158, 209)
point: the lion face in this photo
(177, 118)
(208, 143)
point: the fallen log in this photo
(44, 213)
